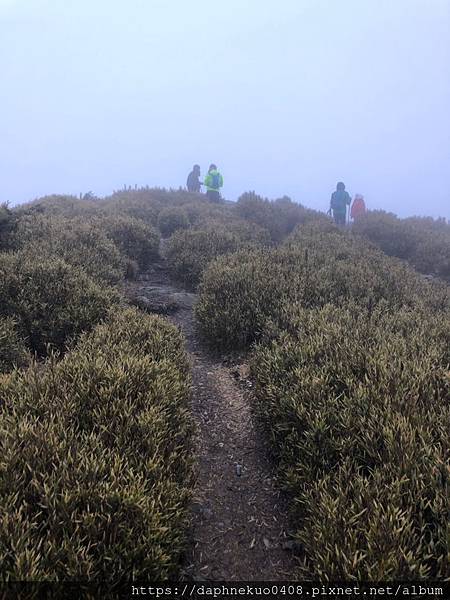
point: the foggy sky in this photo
(286, 97)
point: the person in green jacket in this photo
(213, 182)
(340, 199)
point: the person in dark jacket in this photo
(340, 199)
(193, 182)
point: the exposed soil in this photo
(239, 517)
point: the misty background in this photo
(286, 97)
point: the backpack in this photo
(339, 201)
(215, 180)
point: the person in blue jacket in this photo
(340, 199)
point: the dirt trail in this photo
(239, 518)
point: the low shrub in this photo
(60, 205)
(247, 233)
(202, 210)
(236, 296)
(50, 300)
(81, 242)
(352, 383)
(171, 219)
(96, 460)
(356, 404)
(423, 242)
(135, 239)
(325, 235)
(432, 253)
(137, 204)
(190, 252)
(13, 352)
(7, 227)
(241, 294)
(146, 203)
(432, 256)
(279, 216)
(388, 232)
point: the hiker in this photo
(213, 183)
(193, 182)
(340, 199)
(358, 208)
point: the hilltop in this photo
(222, 391)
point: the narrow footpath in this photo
(239, 518)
